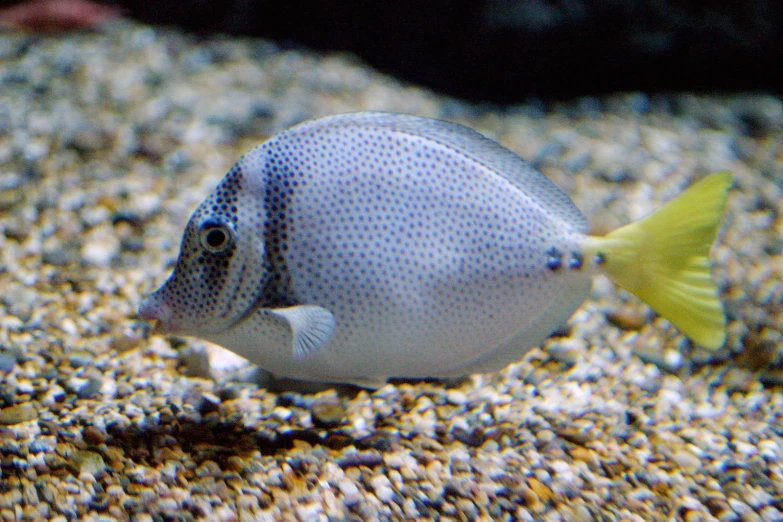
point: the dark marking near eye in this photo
(554, 259)
(575, 263)
(600, 258)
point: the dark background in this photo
(504, 50)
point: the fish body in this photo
(365, 246)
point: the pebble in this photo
(628, 318)
(382, 487)
(771, 514)
(93, 435)
(310, 511)
(687, 460)
(542, 492)
(369, 459)
(9, 199)
(100, 251)
(456, 397)
(85, 388)
(16, 414)
(350, 492)
(55, 394)
(7, 362)
(409, 508)
(89, 462)
(208, 469)
(80, 358)
(328, 411)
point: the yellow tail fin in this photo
(663, 260)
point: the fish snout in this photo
(154, 309)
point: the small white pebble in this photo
(456, 397)
(746, 449)
(400, 460)
(770, 514)
(460, 422)
(770, 450)
(69, 326)
(360, 424)
(758, 498)
(409, 508)
(560, 466)
(115, 491)
(249, 502)
(147, 203)
(686, 460)
(692, 504)
(100, 250)
(309, 511)
(380, 481)
(641, 494)
(11, 322)
(384, 493)
(25, 386)
(739, 507)
(459, 455)
(350, 492)
(281, 413)
(394, 460)
(221, 359)
(168, 505)
(94, 215)
(223, 514)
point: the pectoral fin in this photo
(311, 328)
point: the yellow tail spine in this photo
(663, 259)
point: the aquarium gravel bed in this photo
(110, 139)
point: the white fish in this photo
(365, 246)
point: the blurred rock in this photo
(506, 49)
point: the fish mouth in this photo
(157, 309)
(153, 309)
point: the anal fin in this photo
(370, 383)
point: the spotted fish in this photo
(364, 246)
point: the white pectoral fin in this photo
(311, 328)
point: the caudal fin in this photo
(663, 260)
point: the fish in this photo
(365, 246)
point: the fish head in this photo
(220, 274)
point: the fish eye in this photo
(215, 236)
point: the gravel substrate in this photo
(109, 140)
